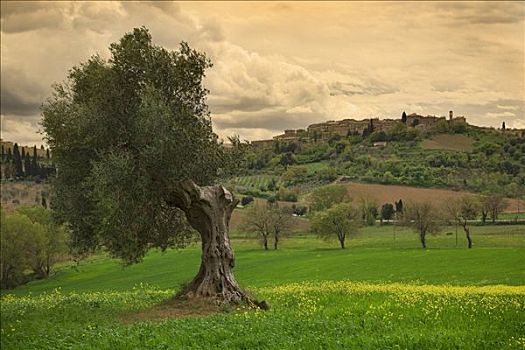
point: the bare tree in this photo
(461, 211)
(422, 217)
(257, 219)
(493, 204)
(280, 222)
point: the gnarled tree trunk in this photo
(208, 210)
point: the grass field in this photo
(378, 293)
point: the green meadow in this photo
(383, 291)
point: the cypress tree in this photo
(34, 162)
(17, 161)
(27, 166)
(404, 118)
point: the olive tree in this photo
(423, 218)
(138, 162)
(336, 222)
(267, 219)
(461, 211)
(325, 197)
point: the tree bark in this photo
(276, 241)
(467, 233)
(422, 239)
(342, 240)
(208, 210)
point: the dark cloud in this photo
(20, 95)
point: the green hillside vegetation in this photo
(473, 159)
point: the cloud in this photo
(25, 132)
(279, 65)
(20, 95)
(21, 16)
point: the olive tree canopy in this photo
(137, 158)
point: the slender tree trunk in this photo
(342, 240)
(208, 210)
(276, 241)
(467, 233)
(483, 217)
(422, 239)
(265, 242)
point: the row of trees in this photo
(30, 241)
(333, 214)
(18, 164)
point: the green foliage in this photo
(423, 218)
(368, 211)
(339, 221)
(30, 241)
(387, 211)
(325, 197)
(287, 195)
(123, 132)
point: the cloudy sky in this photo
(289, 64)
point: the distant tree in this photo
(399, 206)
(34, 163)
(503, 126)
(48, 156)
(339, 221)
(387, 211)
(423, 218)
(461, 211)
(287, 159)
(246, 200)
(51, 247)
(404, 118)
(258, 219)
(272, 185)
(28, 171)
(493, 204)
(15, 230)
(368, 208)
(3, 153)
(280, 222)
(9, 155)
(325, 197)
(17, 162)
(276, 147)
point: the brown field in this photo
(390, 193)
(451, 142)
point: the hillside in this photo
(449, 142)
(470, 159)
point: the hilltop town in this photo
(347, 127)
